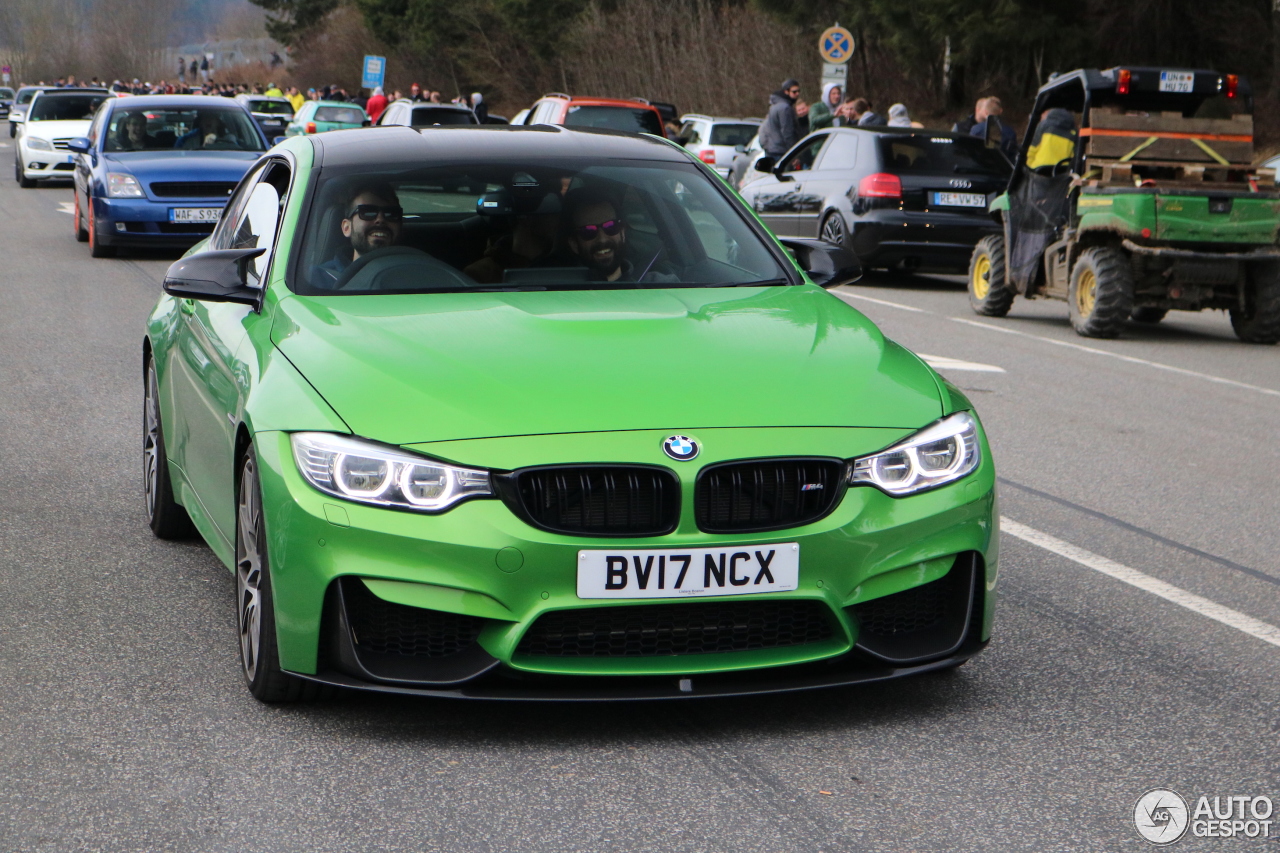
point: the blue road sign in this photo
(375, 72)
(836, 45)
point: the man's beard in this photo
(360, 241)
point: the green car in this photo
(548, 414)
(323, 116)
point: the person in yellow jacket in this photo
(296, 98)
(1055, 140)
(273, 91)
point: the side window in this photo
(689, 133)
(95, 129)
(841, 152)
(221, 238)
(258, 223)
(801, 159)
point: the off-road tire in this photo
(167, 517)
(1259, 321)
(255, 604)
(1148, 314)
(989, 292)
(1100, 297)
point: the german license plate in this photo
(1177, 81)
(960, 199)
(194, 214)
(688, 573)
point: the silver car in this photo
(715, 140)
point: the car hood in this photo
(181, 165)
(57, 129)
(419, 368)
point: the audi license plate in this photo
(688, 573)
(1177, 81)
(194, 214)
(959, 199)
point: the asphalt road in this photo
(126, 726)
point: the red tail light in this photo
(311, 127)
(1233, 84)
(880, 185)
(1123, 78)
(708, 156)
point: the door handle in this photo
(187, 306)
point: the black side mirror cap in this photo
(826, 264)
(219, 276)
(764, 164)
(367, 123)
(79, 144)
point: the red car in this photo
(634, 116)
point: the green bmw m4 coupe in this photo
(541, 413)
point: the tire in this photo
(82, 233)
(255, 606)
(19, 175)
(833, 230)
(1100, 296)
(1259, 321)
(989, 292)
(1150, 315)
(96, 249)
(166, 516)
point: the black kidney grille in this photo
(767, 494)
(677, 629)
(192, 189)
(600, 501)
(395, 629)
(905, 612)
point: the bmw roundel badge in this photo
(680, 447)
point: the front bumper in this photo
(41, 165)
(143, 222)
(481, 562)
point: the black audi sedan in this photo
(900, 198)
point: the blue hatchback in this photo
(156, 170)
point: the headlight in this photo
(120, 185)
(369, 473)
(938, 454)
(37, 144)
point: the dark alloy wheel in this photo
(1100, 296)
(166, 516)
(255, 609)
(833, 230)
(1148, 314)
(1258, 322)
(989, 292)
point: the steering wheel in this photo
(1058, 168)
(388, 254)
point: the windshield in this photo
(633, 120)
(341, 115)
(940, 155)
(155, 129)
(733, 134)
(531, 224)
(6, 93)
(25, 95)
(431, 116)
(65, 107)
(275, 108)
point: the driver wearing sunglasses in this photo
(372, 220)
(597, 234)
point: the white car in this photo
(55, 117)
(714, 140)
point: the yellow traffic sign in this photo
(836, 45)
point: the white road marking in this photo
(941, 362)
(1208, 377)
(68, 207)
(1217, 612)
(911, 308)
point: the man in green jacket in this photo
(823, 113)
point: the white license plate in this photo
(689, 572)
(960, 199)
(1177, 81)
(195, 214)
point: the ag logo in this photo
(961, 183)
(1161, 816)
(680, 448)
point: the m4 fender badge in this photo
(680, 447)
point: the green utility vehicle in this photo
(1133, 193)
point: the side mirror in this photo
(826, 264)
(278, 140)
(740, 149)
(220, 276)
(79, 144)
(367, 123)
(765, 164)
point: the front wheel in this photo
(166, 516)
(1100, 296)
(96, 248)
(255, 606)
(20, 175)
(1258, 322)
(82, 233)
(989, 292)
